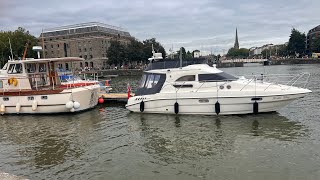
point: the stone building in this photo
(87, 40)
(312, 35)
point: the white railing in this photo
(290, 80)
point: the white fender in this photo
(2, 109)
(69, 105)
(18, 107)
(76, 105)
(34, 105)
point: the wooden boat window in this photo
(15, 69)
(42, 67)
(31, 68)
(187, 78)
(5, 99)
(30, 98)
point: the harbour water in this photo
(108, 142)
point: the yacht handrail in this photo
(266, 78)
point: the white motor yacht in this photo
(201, 89)
(34, 87)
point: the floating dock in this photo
(117, 97)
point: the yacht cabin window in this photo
(143, 80)
(149, 80)
(15, 68)
(216, 77)
(152, 80)
(187, 78)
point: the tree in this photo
(189, 55)
(282, 50)
(117, 53)
(135, 51)
(183, 50)
(19, 39)
(238, 53)
(297, 44)
(315, 45)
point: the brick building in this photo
(87, 40)
(311, 36)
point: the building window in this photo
(81, 65)
(79, 49)
(51, 45)
(91, 56)
(85, 49)
(86, 64)
(80, 56)
(58, 45)
(85, 56)
(50, 39)
(45, 46)
(91, 49)
(91, 64)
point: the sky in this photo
(206, 25)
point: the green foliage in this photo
(297, 43)
(282, 50)
(238, 53)
(315, 45)
(18, 39)
(116, 53)
(189, 55)
(183, 50)
(135, 50)
(138, 51)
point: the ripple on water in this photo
(108, 142)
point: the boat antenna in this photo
(153, 52)
(10, 48)
(180, 56)
(43, 53)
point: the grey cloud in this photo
(202, 24)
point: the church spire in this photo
(236, 43)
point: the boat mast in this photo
(10, 49)
(180, 56)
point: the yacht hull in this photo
(87, 97)
(206, 105)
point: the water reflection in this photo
(209, 135)
(46, 141)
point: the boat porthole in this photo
(228, 87)
(221, 87)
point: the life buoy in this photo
(13, 81)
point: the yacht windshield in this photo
(217, 77)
